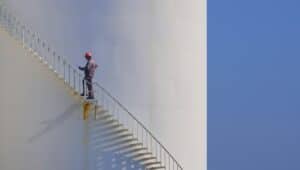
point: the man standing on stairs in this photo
(89, 71)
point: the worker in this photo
(89, 71)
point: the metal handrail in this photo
(72, 76)
(139, 122)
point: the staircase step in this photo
(151, 164)
(137, 156)
(133, 150)
(156, 168)
(146, 159)
(100, 116)
(103, 116)
(108, 144)
(114, 138)
(123, 147)
(119, 143)
(104, 127)
(110, 132)
(108, 121)
(101, 111)
(100, 122)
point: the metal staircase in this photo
(114, 128)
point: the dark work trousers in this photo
(89, 83)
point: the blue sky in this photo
(253, 85)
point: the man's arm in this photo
(80, 68)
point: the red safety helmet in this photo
(88, 55)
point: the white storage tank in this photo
(152, 57)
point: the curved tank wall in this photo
(152, 56)
(41, 119)
(117, 32)
(179, 76)
(40, 122)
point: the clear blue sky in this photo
(253, 85)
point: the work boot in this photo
(90, 97)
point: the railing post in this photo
(11, 25)
(54, 61)
(160, 154)
(49, 55)
(3, 17)
(74, 79)
(173, 164)
(69, 74)
(137, 130)
(150, 143)
(44, 51)
(7, 21)
(169, 162)
(38, 49)
(64, 69)
(142, 135)
(165, 159)
(1, 7)
(79, 82)
(31, 41)
(2, 14)
(156, 149)
(34, 42)
(14, 27)
(146, 138)
(23, 37)
(59, 66)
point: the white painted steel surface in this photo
(41, 125)
(153, 56)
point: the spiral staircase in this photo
(112, 128)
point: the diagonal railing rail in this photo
(72, 77)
